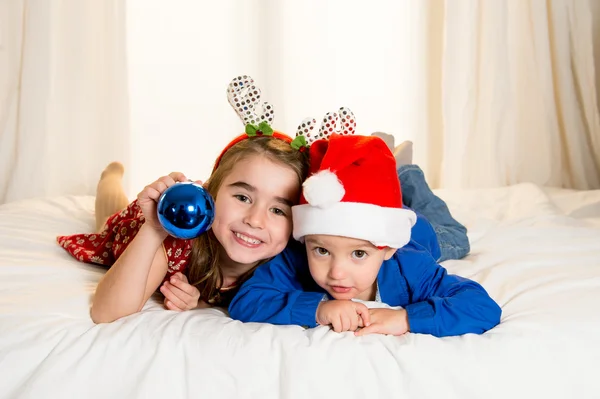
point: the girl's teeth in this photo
(247, 239)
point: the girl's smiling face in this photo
(253, 218)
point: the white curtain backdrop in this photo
(519, 96)
(491, 92)
(63, 95)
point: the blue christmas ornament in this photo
(186, 210)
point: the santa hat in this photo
(244, 96)
(353, 191)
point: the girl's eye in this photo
(278, 211)
(242, 198)
(320, 251)
(358, 254)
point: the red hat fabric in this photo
(353, 191)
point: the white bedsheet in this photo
(536, 251)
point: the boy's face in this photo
(345, 267)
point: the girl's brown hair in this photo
(204, 271)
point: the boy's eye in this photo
(278, 211)
(320, 251)
(242, 198)
(358, 254)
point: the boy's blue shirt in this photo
(282, 291)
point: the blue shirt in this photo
(282, 290)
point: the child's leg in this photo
(416, 194)
(110, 196)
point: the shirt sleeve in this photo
(275, 293)
(442, 304)
(106, 247)
(177, 252)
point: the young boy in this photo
(358, 247)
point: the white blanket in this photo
(536, 251)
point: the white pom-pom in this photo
(323, 189)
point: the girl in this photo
(255, 181)
(254, 185)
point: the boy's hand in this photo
(343, 315)
(386, 321)
(179, 294)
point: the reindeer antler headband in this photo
(244, 97)
(257, 116)
(340, 122)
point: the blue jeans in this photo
(416, 194)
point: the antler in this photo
(341, 122)
(331, 123)
(305, 129)
(244, 97)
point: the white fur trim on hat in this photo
(383, 227)
(323, 189)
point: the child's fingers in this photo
(169, 305)
(178, 176)
(364, 314)
(354, 322)
(162, 183)
(179, 293)
(189, 292)
(346, 322)
(361, 322)
(182, 283)
(178, 276)
(350, 322)
(167, 181)
(169, 291)
(155, 189)
(336, 324)
(372, 329)
(149, 192)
